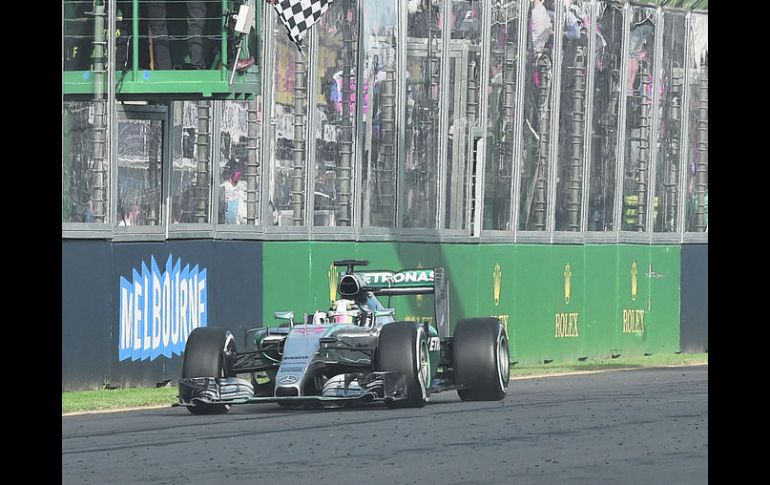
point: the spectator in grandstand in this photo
(640, 34)
(233, 194)
(125, 219)
(541, 26)
(156, 13)
(576, 19)
(249, 47)
(129, 216)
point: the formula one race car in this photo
(356, 352)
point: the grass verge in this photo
(80, 401)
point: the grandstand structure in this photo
(551, 155)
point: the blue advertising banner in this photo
(129, 307)
(694, 328)
(159, 307)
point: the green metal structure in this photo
(135, 82)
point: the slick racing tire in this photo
(481, 360)
(207, 354)
(403, 348)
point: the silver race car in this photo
(355, 352)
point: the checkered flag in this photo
(299, 15)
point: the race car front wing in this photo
(388, 387)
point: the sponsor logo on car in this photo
(387, 277)
(287, 379)
(292, 368)
(159, 307)
(435, 344)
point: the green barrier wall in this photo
(558, 302)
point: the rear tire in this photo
(207, 354)
(481, 359)
(403, 347)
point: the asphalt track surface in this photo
(641, 426)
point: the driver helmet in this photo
(344, 311)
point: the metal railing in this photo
(87, 20)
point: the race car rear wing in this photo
(417, 281)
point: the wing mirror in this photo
(285, 316)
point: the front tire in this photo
(403, 348)
(207, 354)
(481, 360)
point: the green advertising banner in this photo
(664, 277)
(557, 302)
(601, 303)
